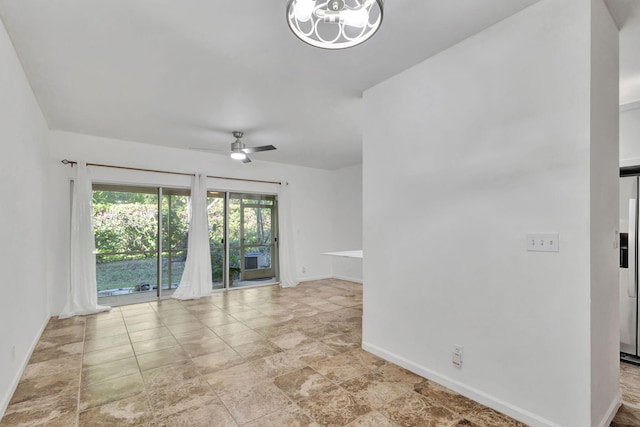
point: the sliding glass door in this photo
(126, 232)
(142, 240)
(175, 225)
(253, 238)
(216, 209)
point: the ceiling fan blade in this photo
(249, 150)
(246, 160)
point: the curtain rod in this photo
(71, 162)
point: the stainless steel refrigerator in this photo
(629, 344)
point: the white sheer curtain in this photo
(82, 292)
(288, 276)
(196, 278)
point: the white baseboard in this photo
(349, 279)
(16, 380)
(470, 392)
(311, 279)
(611, 413)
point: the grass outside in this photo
(129, 273)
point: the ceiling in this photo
(627, 15)
(186, 73)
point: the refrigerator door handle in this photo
(631, 289)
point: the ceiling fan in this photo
(239, 150)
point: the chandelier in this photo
(334, 24)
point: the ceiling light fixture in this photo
(237, 153)
(334, 24)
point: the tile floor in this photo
(253, 357)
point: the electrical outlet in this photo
(456, 356)
(543, 242)
(304, 269)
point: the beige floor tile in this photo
(109, 370)
(180, 396)
(341, 343)
(160, 358)
(311, 352)
(217, 320)
(372, 419)
(291, 340)
(107, 323)
(142, 347)
(184, 328)
(238, 376)
(106, 342)
(627, 416)
(92, 334)
(74, 332)
(373, 390)
(257, 322)
(241, 338)
(108, 355)
(213, 362)
(291, 416)
(257, 350)
(52, 367)
(132, 411)
(414, 409)
(104, 392)
(442, 396)
(239, 358)
(341, 367)
(149, 334)
(250, 403)
(276, 365)
(487, 417)
(202, 334)
(200, 348)
(230, 329)
(304, 383)
(57, 352)
(143, 326)
(174, 373)
(32, 388)
(212, 413)
(334, 406)
(57, 410)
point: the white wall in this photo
(496, 136)
(311, 191)
(347, 221)
(605, 304)
(630, 135)
(24, 224)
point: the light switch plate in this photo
(543, 242)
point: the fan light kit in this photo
(239, 151)
(334, 24)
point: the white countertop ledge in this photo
(346, 254)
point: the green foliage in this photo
(129, 229)
(126, 229)
(175, 223)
